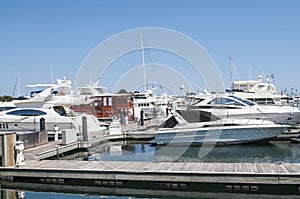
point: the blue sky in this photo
(36, 36)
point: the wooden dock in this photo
(56, 148)
(157, 175)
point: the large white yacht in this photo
(43, 95)
(151, 104)
(230, 106)
(28, 119)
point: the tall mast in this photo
(143, 62)
(19, 87)
(231, 70)
(51, 71)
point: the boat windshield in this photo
(249, 103)
(226, 101)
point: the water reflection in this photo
(11, 194)
(258, 153)
(122, 151)
(252, 153)
(86, 192)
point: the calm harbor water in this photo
(142, 151)
(259, 153)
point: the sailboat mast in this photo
(19, 87)
(143, 62)
(230, 65)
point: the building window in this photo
(104, 101)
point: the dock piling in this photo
(84, 129)
(7, 148)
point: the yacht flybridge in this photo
(264, 93)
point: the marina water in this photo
(265, 152)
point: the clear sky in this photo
(261, 36)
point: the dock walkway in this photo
(55, 148)
(248, 176)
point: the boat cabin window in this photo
(34, 93)
(6, 108)
(26, 112)
(225, 101)
(243, 87)
(261, 86)
(60, 110)
(249, 103)
(264, 101)
(194, 116)
(85, 91)
(169, 123)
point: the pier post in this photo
(142, 117)
(42, 124)
(122, 116)
(7, 149)
(56, 129)
(84, 129)
(20, 159)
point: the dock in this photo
(166, 177)
(245, 177)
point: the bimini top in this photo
(189, 116)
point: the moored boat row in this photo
(222, 118)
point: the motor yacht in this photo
(28, 119)
(227, 105)
(210, 129)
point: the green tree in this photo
(6, 98)
(122, 91)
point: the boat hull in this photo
(217, 136)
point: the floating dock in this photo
(191, 176)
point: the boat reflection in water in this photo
(247, 153)
(265, 152)
(122, 151)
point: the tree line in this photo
(6, 98)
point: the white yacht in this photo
(230, 106)
(43, 95)
(264, 93)
(211, 129)
(28, 119)
(151, 104)
(88, 91)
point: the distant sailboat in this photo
(17, 87)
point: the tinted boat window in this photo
(26, 112)
(6, 108)
(225, 101)
(243, 100)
